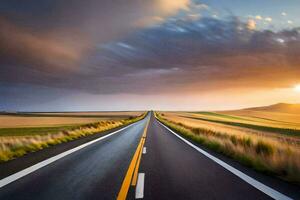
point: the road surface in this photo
(165, 167)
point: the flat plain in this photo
(15, 120)
(21, 133)
(262, 138)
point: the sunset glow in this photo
(205, 93)
(168, 54)
(297, 88)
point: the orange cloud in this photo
(24, 46)
(168, 7)
(251, 24)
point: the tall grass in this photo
(15, 146)
(262, 154)
(286, 131)
(26, 131)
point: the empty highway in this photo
(144, 160)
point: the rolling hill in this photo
(282, 112)
(280, 107)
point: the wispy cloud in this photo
(258, 17)
(268, 19)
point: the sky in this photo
(75, 55)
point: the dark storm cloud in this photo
(206, 54)
(105, 47)
(46, 42)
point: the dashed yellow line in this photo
(132, 171)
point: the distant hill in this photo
(280, 107)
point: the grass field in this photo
(89, 114)
(266, 144)
(291, 130)
(37, 134)
(15, 120)
(18, 124)
(34, 130)
(258, 120)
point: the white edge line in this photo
(144, 150)
(139, 190)
(258, 185)
(26, 171)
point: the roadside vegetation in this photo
(58, 119)
(270, 155)
(15, 146)
(287, 123)
(25, 131)
(287, 131)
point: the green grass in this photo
(34, 130)
(285, 131)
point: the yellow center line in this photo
(146, 128)
(135, 175)
(132, 167)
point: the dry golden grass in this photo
(263, 119)
(15, 146)
(219, 127)
(22, 121)
(60, 119)
(290, 118)
(97, 114)
(264, 152)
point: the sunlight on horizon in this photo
(297, 87)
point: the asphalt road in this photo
(94, 172)
(172, 170)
